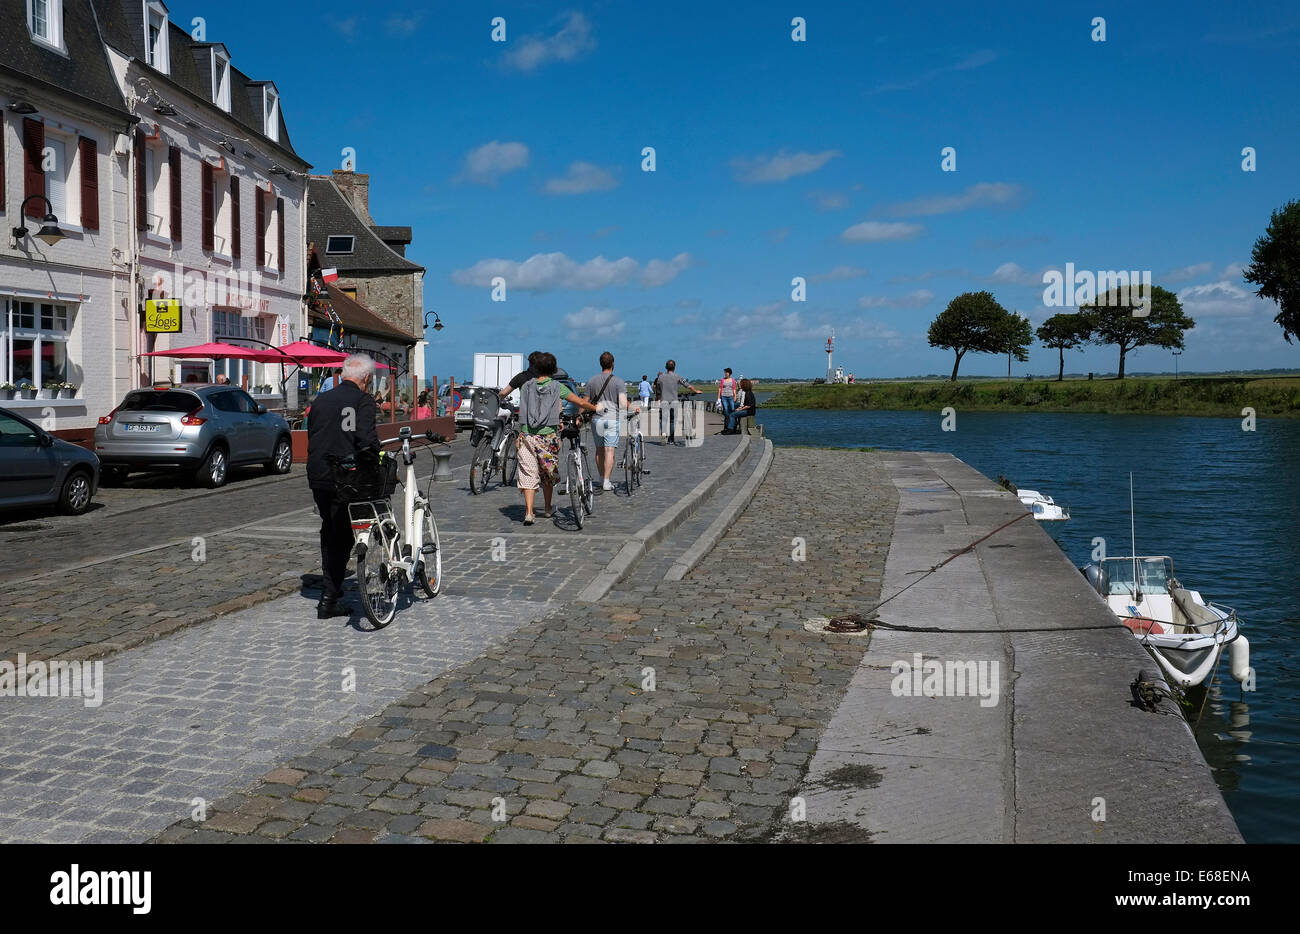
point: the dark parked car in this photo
(38, 469)
(205, 430)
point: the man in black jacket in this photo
(342, 424)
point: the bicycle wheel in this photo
(575, 482)
(636, 460)
(481, 467)
(510, 460)
(376, 580)
(627, 465)
(588, 489)
(430, 573)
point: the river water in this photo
(1223, 502)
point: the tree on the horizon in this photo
(1275, 267)
(1113, 323)
(973, 321)
(1016, 336)
(1064, 332)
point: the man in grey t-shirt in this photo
(609, 394)
(669, 382)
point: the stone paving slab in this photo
(556, 731)
(211, 709)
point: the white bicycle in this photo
(390, 555)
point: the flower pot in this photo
(27, 394)
(8, 393)
(48, 394)
(69, 393)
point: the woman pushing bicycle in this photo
(539, 427)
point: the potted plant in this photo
(68, 390)
(8, 390)
(50, 390)
(26, 390)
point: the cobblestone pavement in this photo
(555, 729)
(126, 574)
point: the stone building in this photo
(370, 258)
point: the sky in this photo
(777, 159)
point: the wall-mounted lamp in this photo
(22, 107)
(437, 322)
(49, 231)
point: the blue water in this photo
(1222, 502)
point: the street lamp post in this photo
(1177, 354)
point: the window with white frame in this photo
(230, 327)
(155, 36)
(45, 22)
(222, 211)
(271, 260)
(221, 79)
(340, 243)
(34, 342)
(61, 186)
(157, 186)
(271, 109)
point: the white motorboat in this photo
(1044, 508)
(1184, 633)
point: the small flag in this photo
(329, 275)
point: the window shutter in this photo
(174, 159)
(234, 217)
(89, 152)
(279, 218)
(208, 237)
(260, 227)
(33, 176)
(2, 162)
(141, 195)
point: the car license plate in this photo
(140, 428)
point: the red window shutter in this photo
(2, 162)
(209, 238)
(89, 152)
(174, 159)
(141, 195)
(234, 216)
(279, 219)
(260, 227)
(33, 175)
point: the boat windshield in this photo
(1153, 575)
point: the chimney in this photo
(356, 188)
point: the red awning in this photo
(216, 350)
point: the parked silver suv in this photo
(204, 429)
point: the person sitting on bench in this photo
(746, 407)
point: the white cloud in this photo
(592, 321)
(839, 273)
(829, 200)
(1234, 270)
(657, 272)
(876, 231)
(581, 178)
(532, 52)
(1015, 274)
(910, 300)
(1187, 272)
(400, 25)
(545, 271)
(984, 194)
(780, 167)
(486, 164)
(1223, 300)
(974, 60)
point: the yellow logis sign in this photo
(162, 317)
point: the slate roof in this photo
(330, 213)
(357, 317)
(84, 72)
(122, 25)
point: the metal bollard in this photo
(442, 464)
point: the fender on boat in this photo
(1239, 658)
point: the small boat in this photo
(1044, 508)
(1184, 633)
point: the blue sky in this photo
(778, 159)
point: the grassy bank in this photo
(1270, 397)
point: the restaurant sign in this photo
(162, 316)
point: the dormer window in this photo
(221, 79)
(271, 111)
(340, 243)
(45, 22)
(155, 36)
